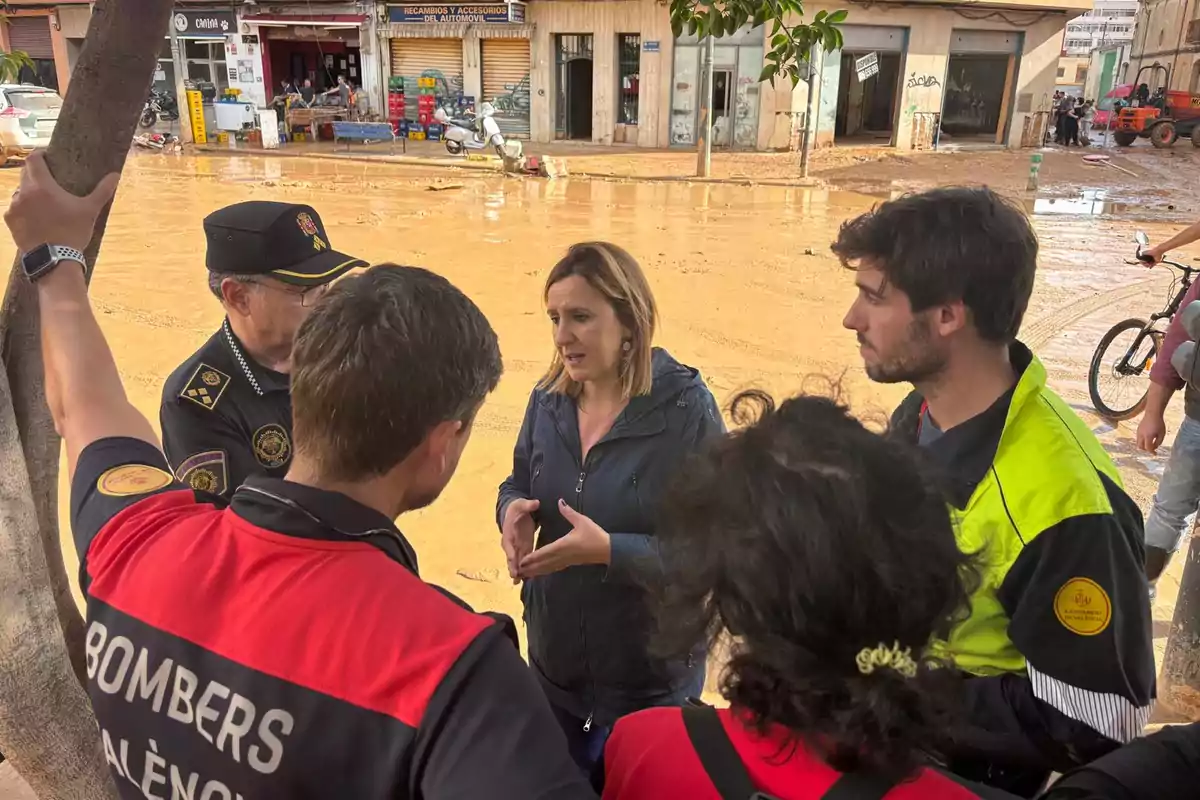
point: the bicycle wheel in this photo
(1118, 385)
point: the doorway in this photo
(573, 57)
(722, 107)
(975, 86)
(866, 109)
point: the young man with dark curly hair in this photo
(1058, 643)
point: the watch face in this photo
(37, 259)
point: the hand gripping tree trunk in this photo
(47, 729)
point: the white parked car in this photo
(28, 115)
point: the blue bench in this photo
(366, 132)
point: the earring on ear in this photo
(626, 346)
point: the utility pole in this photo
(704, 129)
(815, 57)
(179, 68)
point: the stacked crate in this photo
(396, 103)
(426, 100)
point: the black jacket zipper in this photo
(587, 724)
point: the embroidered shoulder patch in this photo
(205, 387)
(1083, 607)
(272, 447)
(205, 472)
(130, 480)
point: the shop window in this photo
(629, 46)
(1081, 73)
(1062, 71)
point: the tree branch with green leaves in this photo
(11, 65)
(790, 44)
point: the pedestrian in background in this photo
(606, 428)
(1174, 506)
(1087, 113)
(824, 555)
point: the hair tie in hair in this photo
(870, 658)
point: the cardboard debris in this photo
(552, 168)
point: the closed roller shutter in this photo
(31, 35)
(438, 58)
(506, 83)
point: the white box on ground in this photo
(268, 122)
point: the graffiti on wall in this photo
(512, 107)
(916, 81)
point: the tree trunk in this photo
(47, 729)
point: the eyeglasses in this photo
(308, 297)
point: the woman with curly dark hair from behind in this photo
(821, 558)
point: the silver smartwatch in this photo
(39, 261)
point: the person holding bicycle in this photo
(1178, 493)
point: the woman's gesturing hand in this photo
(516, 536)
(587, 543)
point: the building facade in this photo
(612, 72)
(1108, 25)
(1168, 34)
(912, 75)
(51, 34)
(1108, 22)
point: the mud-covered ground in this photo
(747, 288)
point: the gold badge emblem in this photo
(306, 224)
(309, 227)
(203, 481)
(272, 447)
(205, 472)
(1083, 607)
(206, 387)
(130, 480)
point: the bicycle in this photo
(1132, 362)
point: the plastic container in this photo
(416, 135)
(433, 131)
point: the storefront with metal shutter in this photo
(506, 83)
(979, 85)
(440, 59)
(31, 35)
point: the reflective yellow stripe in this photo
(343, 265)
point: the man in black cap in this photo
(226, 412)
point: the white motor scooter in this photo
(473, 132)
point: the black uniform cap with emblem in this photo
(284, 241)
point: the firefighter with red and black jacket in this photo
(286, 646)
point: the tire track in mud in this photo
(1042, 329)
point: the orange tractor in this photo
(1162, 117)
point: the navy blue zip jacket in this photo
(589, 625)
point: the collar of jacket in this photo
(645, 415)
(262, 379)
(292, 509)
(964, 454)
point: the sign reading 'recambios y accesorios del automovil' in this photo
(497, 12)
